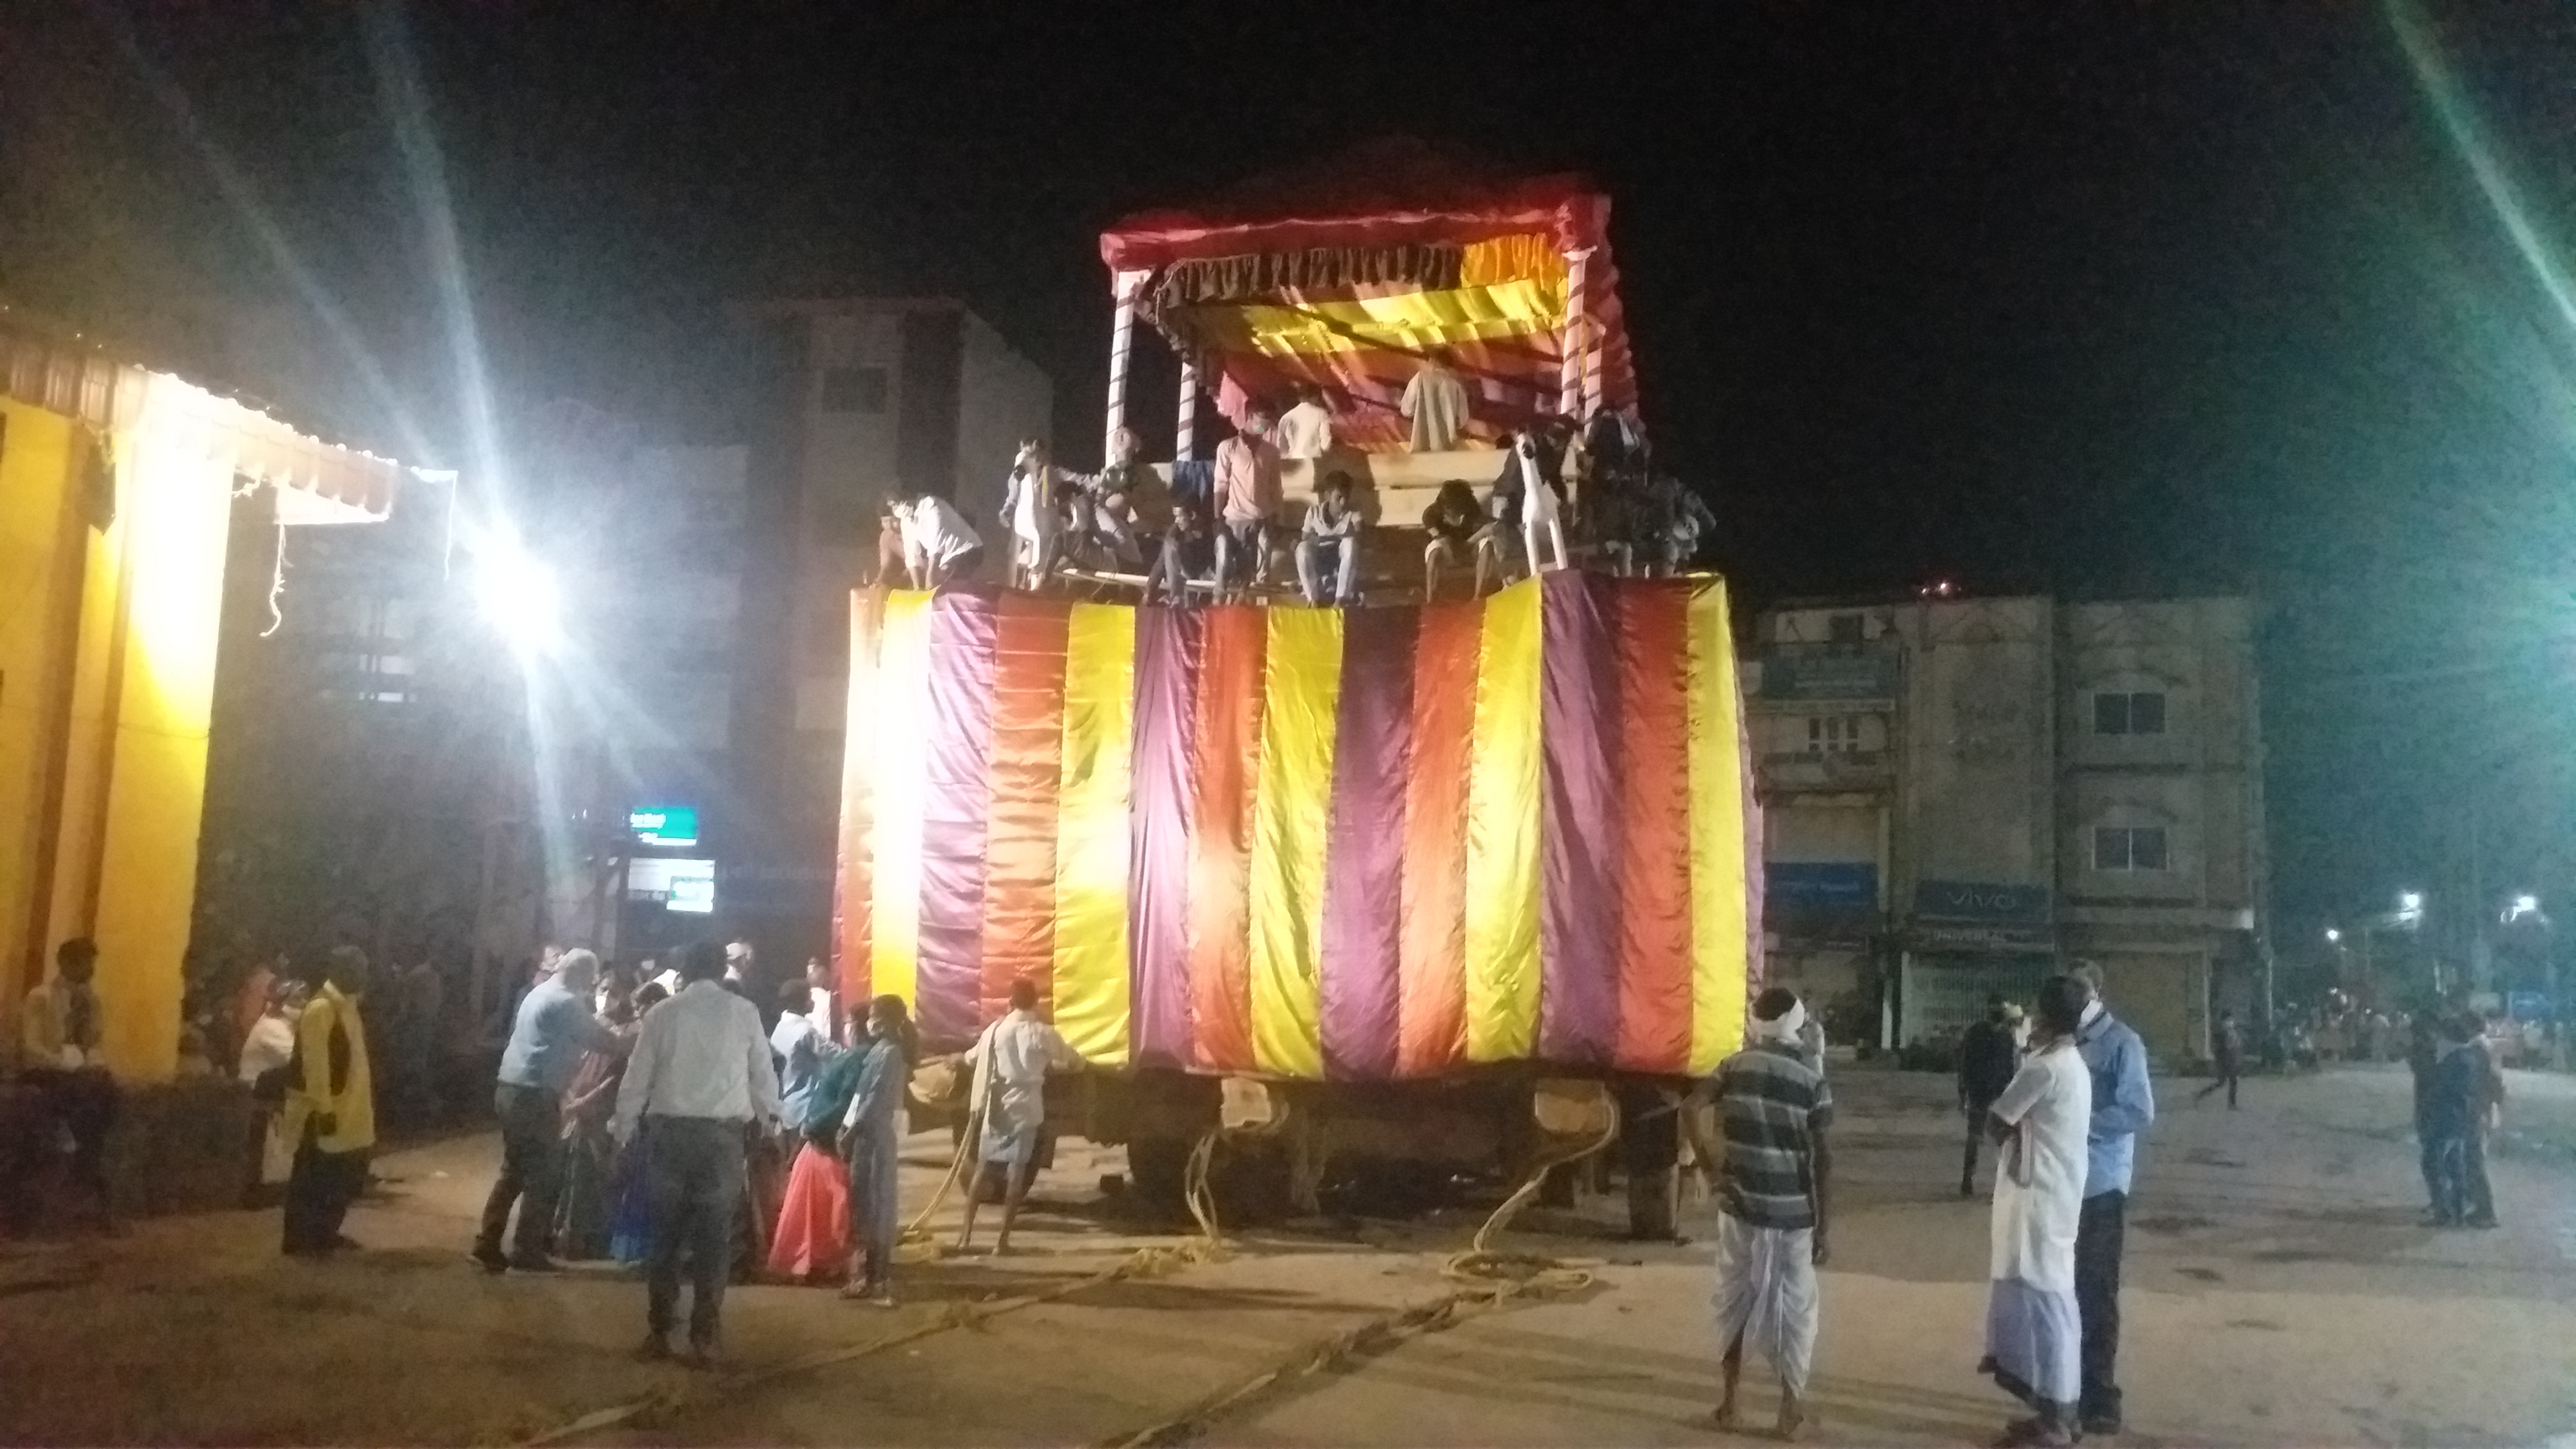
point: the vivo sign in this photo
(1952, 900)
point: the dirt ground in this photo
(2279, 1293)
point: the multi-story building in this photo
(854, 401)
(1965, 795)
(403, 764)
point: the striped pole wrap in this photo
(1122, 346)
(1575, 378)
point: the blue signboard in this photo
(1820, 885)
(1956, 900)
(664, 824)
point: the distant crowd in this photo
(1221, 531)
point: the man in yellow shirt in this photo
(330, 1110)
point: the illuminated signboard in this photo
(677, 884)
(695, 894)
(664, 824)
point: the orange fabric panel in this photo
(1653, 627)
(1226, 759)
(1526, 256)
(1027, 774)
(1432, 965)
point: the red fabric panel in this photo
(1653, 633)
(1225, 753)
(1028, 771)
(1432, 966)
(1364, 214)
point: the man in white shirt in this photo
(699, 1080)
(938, 543)
(1307, 430)
(1331, 534)
(1247, 500)
(1436, 401)
(1011, 1060)
(61, 1029)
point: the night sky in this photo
(2102, 298)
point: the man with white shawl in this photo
(1008, 1104)
(2034, 1334)
(1772, 1197)
(1031, 501)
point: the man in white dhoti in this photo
(1772, 1195)
(1030, 503)
(1008, 1103)
(2034, 1335)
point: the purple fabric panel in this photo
(1364, 854)
(1580, 842)
(1160, 797)
(955, 801)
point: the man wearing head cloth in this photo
(1773, 1198)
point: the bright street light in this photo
(2410, 903)
(2333, 936)
(517, 596)
(2525, 905)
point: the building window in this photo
(2129, 847)
(1833, 734)
(854, 389)
(2133, 712)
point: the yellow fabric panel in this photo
(1502, 832)
(1091, 833)
(175, 509)
(902, 715)
(1720, 951)
(1407, 320)
(40, 545)
(84, 749)
(1292, 804)
(1526, 256)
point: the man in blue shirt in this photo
(2123, 1105)
(554, 1027)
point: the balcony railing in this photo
(1827, 769)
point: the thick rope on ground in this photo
(1364, 1340)
(1540, 1272)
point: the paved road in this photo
(2280, 1294)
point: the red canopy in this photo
(1347, 273)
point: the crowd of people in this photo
(1221, 531)
(2061, 1096)
(2061, 1092)
(646, 1117)
(666, 1123)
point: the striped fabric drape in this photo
(1306, 843)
